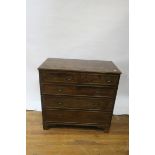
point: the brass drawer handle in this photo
(69, 79)
(109, 81)
(60, 103)
(59, 90)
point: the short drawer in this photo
(47, 76)
(90, 103)
(75, 116)
(55, 89)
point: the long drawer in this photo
(75, 116)
(90, 103)
(80, 90)
(47, 76)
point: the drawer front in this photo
(54, 89)
(77, 103)
(73, 116)
(82, 78)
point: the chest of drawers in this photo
(78, 92)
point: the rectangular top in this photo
(79, 65)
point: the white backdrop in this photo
(79, 29)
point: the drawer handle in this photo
(59, 90)
(109, 81)
(60, 103)
(69, 78)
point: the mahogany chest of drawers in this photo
(78, 92)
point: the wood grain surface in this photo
(78, 78)
(79, 65)
(76, 141)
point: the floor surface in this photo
(76, 141)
